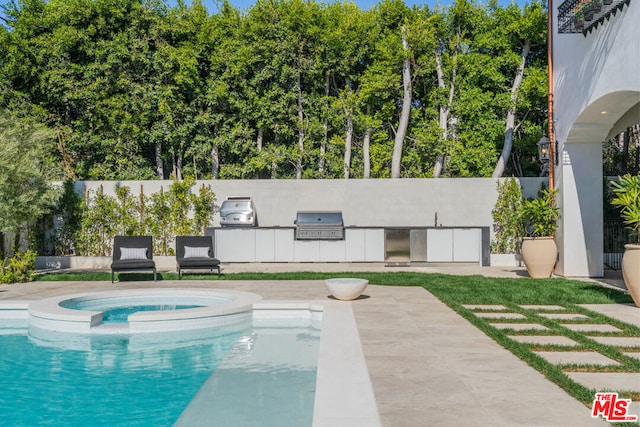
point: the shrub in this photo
(627, 199)
(19, 268)
(507, 223)
(540, 215)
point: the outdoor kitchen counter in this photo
(360, 244)
(277, 244)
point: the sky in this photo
(363, 4)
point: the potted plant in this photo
(627, 198)
(539, 249)
(583, 11)
(578, 21)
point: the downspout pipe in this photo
(551, 127)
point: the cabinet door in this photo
(354, 241)
(306, 250)
(374, 245)
(418, 245)
(265, 245)
(440, 245)
(467, 245)
(332, 251)
(283, 244)
(235, 245)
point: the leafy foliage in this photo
(507, 222)
(138, 89)
(627, 199)
(19, 268)
(25, 172)
(540, 215)
(163, 215)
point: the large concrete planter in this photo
(631, 271)
(539, 255)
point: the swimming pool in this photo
(151, 379)
(343, 393)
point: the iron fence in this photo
(615, 237)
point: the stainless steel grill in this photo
(238, 212)
(319, 225)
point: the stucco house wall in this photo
(596, 93)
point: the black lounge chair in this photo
(195, 253)
(132, 254)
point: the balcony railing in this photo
(583, 16)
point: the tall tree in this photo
(403, 123)
(523, 29)
(26, 192)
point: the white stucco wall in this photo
(364, 203)
(596, 82)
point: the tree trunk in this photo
(365, 148)
(67, 158)
(215, 161)
(259, 141)
(195, 168)
(179, 168)
(403, 124)
(348, 140)
(443, 117)
(159, 163)
(445, 110)
(347, 149)
(300, 130)
(511, 113)
(325, 125)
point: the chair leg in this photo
(112, 276)
(179, 274)
(154, 274)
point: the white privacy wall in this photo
(596, 85)
(363, 202)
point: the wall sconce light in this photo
(543, 150)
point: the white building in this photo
(596, 74)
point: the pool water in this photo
(121, 314)
(138, 380)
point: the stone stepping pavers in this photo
(543, 307)
(520, 326)
(591, 327)
(618, 341)
(576, 357)
(484, 307)
(543, 339)
(603, 381)
(564, 316)
(501, 315)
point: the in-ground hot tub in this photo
(146, 310)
